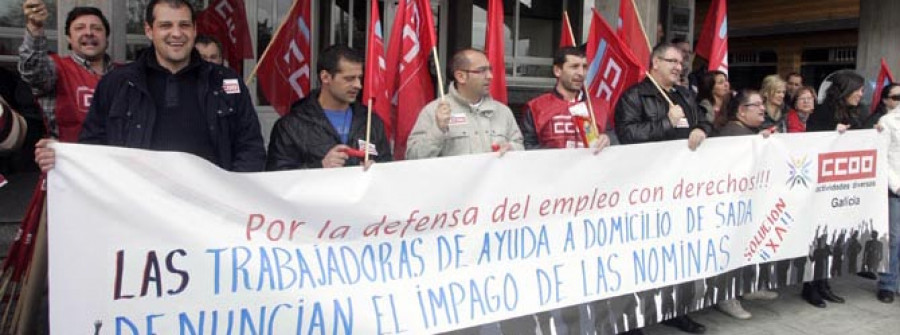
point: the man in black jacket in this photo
(169, 99)
(644, 115)
(324, 127)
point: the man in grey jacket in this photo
(467, 120)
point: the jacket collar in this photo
(148, 61)
(485, 107)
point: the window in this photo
(12, 28)
(532, 30)
(346, 28)
(746, 69)
(136, 39)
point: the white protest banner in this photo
(165, 243)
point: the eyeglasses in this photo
(756, 104)
(895, 97)
(480, 70)
(670, 60)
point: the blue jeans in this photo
(888, 281)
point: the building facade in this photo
(813, 37)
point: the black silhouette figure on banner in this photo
(606, 318)
(765, 276)
(748, 279)
(820, 256)
(570, 318)
(713, 291)
(628, 305)
(521, 325)
(798, 268)
(684, 297)
(781, 273)
(727, 286)
(667, 301)
(649, 307)
(853, 251)
(837, 252)
(97, 325)
(872, 254)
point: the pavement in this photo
(790, 314)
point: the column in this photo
(878, 31)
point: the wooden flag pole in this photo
(584, 89)
(641, 24)
(437, 67)
(569, 26)
(268, 47)
(368, 132)
(660, 89)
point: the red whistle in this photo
(773, 129)
(495, 147)
(355, 153)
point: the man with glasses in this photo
(643, 114)
(549, 118)
(467, 120)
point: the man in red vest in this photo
(549, 120)
(64, 85)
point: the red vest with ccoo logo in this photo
(553, 123)
(74, 91)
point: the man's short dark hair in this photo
(793, 74)
(206, 39)
(559, 58)
(148, 13)
(82, 11)
(330, 58)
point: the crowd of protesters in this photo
(178, 98)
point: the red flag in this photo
(226, 20)
(884, 78)
(409, 78)
(566, 36)
(493, 47)
(374, 89)
(611, 66)
(632, 33)
(713, 42)
(283, 71)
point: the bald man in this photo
(467, 121)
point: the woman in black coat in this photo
(841, 109)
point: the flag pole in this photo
(569, 25)
(268, 47)
(584, 89)
(641, 24)
(655, 84)
(368, 132)
(437, 67)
